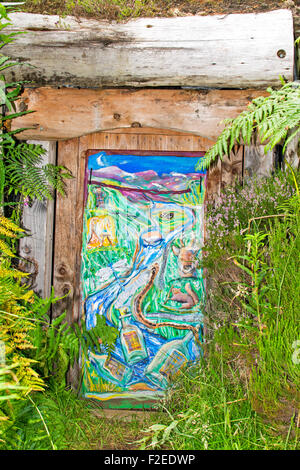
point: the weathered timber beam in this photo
(67, 113)
(220, 51)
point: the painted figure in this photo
(101, 232)
(187, 258)
(188, 299)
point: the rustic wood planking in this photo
(292, 152)
(257, 162)
(232, 168)
(66, 113)
(36, 249)
(143, 141)
(66, 242)
(213, 182)
(218, 51)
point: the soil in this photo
(106, 9)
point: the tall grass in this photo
(57, 420)
(246, 392)
(210, 410)
(108, 9)
(275, 383)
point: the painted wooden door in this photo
(142, 236)
(69, 210)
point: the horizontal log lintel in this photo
(220, 51)
(66, 113)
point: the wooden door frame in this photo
(69, 210)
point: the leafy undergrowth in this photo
(57, 419)
(253, 282)
(124, 9)
(245, 394)
(210, 410)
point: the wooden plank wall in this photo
(36, 250)
(257, 162)
(66, 113)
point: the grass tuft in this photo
(126, 9)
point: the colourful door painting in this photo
(142, 238)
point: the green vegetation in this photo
(56, 419)
(107, 9)
(271, 120)
(126, 9)
(256, 305)
(245, 392)
(210, 410)
(34, 353)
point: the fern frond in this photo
(10, 225)
(26, 173)
(4, 247)
(13, 273)
(272, 118)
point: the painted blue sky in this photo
(161, 164)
